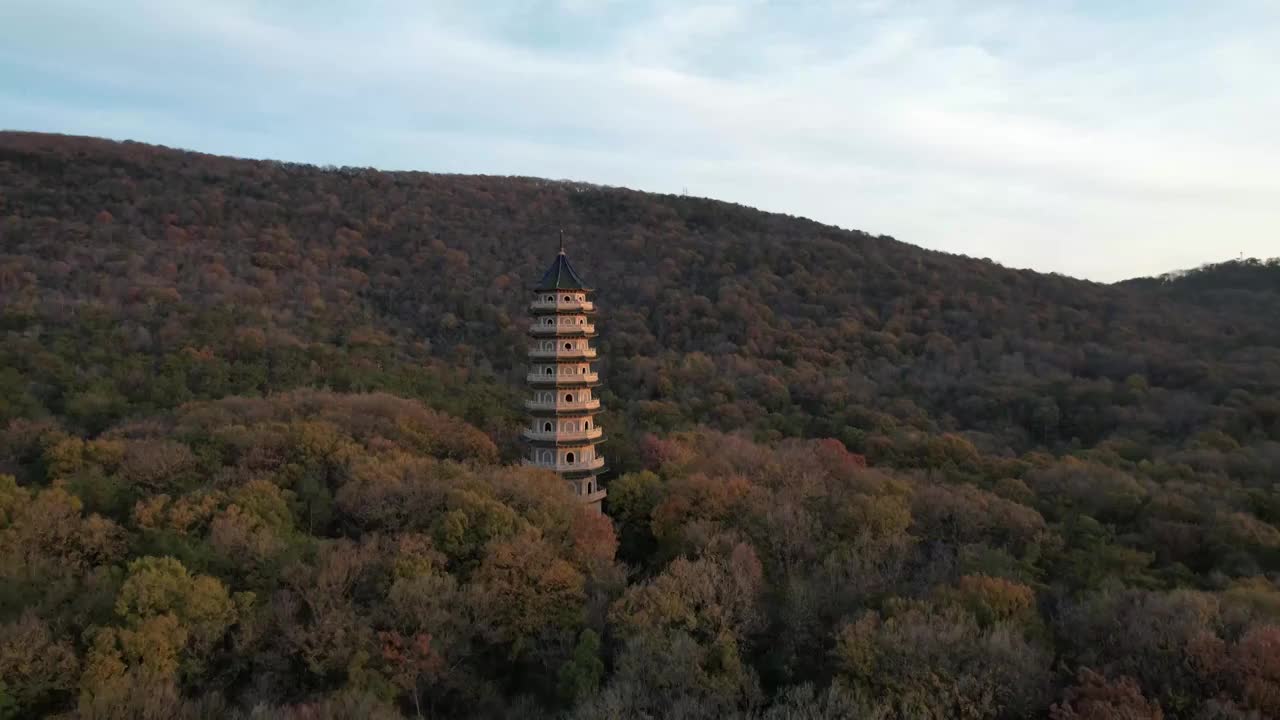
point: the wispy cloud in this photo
(1097, 139)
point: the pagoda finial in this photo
(561, 241)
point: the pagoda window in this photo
(568, 397)
(549, 371)
(568, 457)
(568, 346)
(546, 427)
(568, 299)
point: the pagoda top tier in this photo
(561, 276)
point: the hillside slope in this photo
(713, 313)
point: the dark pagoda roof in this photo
(561, 276)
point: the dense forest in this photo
(258, 444)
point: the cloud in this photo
(1080, 137)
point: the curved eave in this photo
(553, 384)
(548, 336)
(565, 360)
(579, 474)
(563, 413)
(564, 443)
(560, 311)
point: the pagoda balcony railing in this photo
(594, 463)
(562, 354)
(566, 379)
(563, 305)
(561, 406)
(576, 436)
(541, 329)
(591, 497)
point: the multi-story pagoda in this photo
(562, 432)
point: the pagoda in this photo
(563, 434)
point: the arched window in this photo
(546, 456)
(568, 299)
(591, 487)
(582, 321)
(568, 397)
(549, 371)
(546, 427)
(568, 458)
(550, 298)
(586, 425)
(568, 346)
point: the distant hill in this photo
(1235, 289)
(1251, 275)
(713, 313)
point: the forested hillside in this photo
(257, 420)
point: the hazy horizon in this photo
(1082, 138)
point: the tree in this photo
(522, 592)
(39, 670)
(1094, 697)
(920, 662)
(411, 662)
(580, 676)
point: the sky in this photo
(1102, 139)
